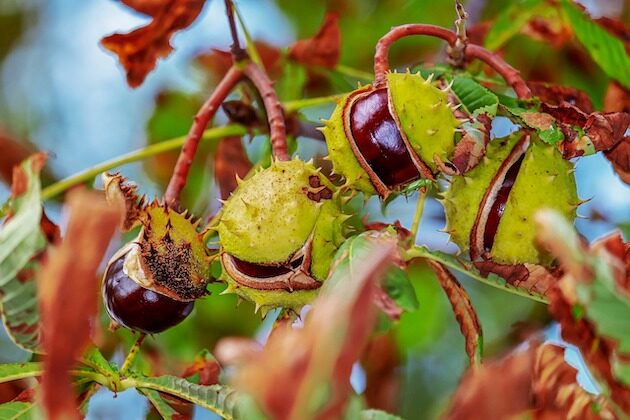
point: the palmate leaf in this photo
(17, 411)
(606, 50)
(21, 238)
(475, 98)
(219, 399)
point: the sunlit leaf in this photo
(15, 371)
(219, 399)
(17, 411)
(510, 21)
(606, 50)
(21, 239)
(163, 408)
(475, 98)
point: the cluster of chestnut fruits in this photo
(281, 227)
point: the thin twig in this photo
(415, 226)
(203, 117)
(472, 51)
(238, 53)
(131, 356)
(457, 52)
(273, 107)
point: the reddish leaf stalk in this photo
(472, 51)
(201, 120)
(275, 114)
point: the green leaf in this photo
(166, 411)
(606, 50)
(466, 267)
(378, 415)
(551, 136)
(17, 411)
(219, 399)
(21, 239)
(398, 287)
(95, 360)
(510, 22)
(291, 84)
(15, 371)
(475, 98)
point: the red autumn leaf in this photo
(536, 382)
(604, 130)
(139, 50)
(470, 149)
(218, 62)
(207, 367)
(531, 277)
(558, 95)
(321, 354)
(321, 50)
(148, 7)
(65, 278)
(619, 156)
(381, 362)
(617, 98)
(230, 161)
(13, 152)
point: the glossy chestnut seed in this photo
(378, 139)
(139, 309)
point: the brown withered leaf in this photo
(66, 278)
(557, 394)
(381, 362)
(13, 152)
(531, 277)
(206, 366)
(139, 50)
(534, 382)
(230, 162)
(241, 113)
(321, 50)
(619, 156)
(554, 32)
(498, 389)
(217, 62)
(147, 7)
(470, 149)
(557, 95)
(464, 311)
(603, 130)
(617, 98)
(321, 354)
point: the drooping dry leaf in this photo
(592, 301)
(497, 390)
(69, 276)
(464, 311)
(558, 95)
(230, 162)
(139, 50)
(321, 50)
(313, 364)
(470, 149)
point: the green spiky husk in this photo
(339, 150)
(269, 218)
(545, 180)
(424, 116)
